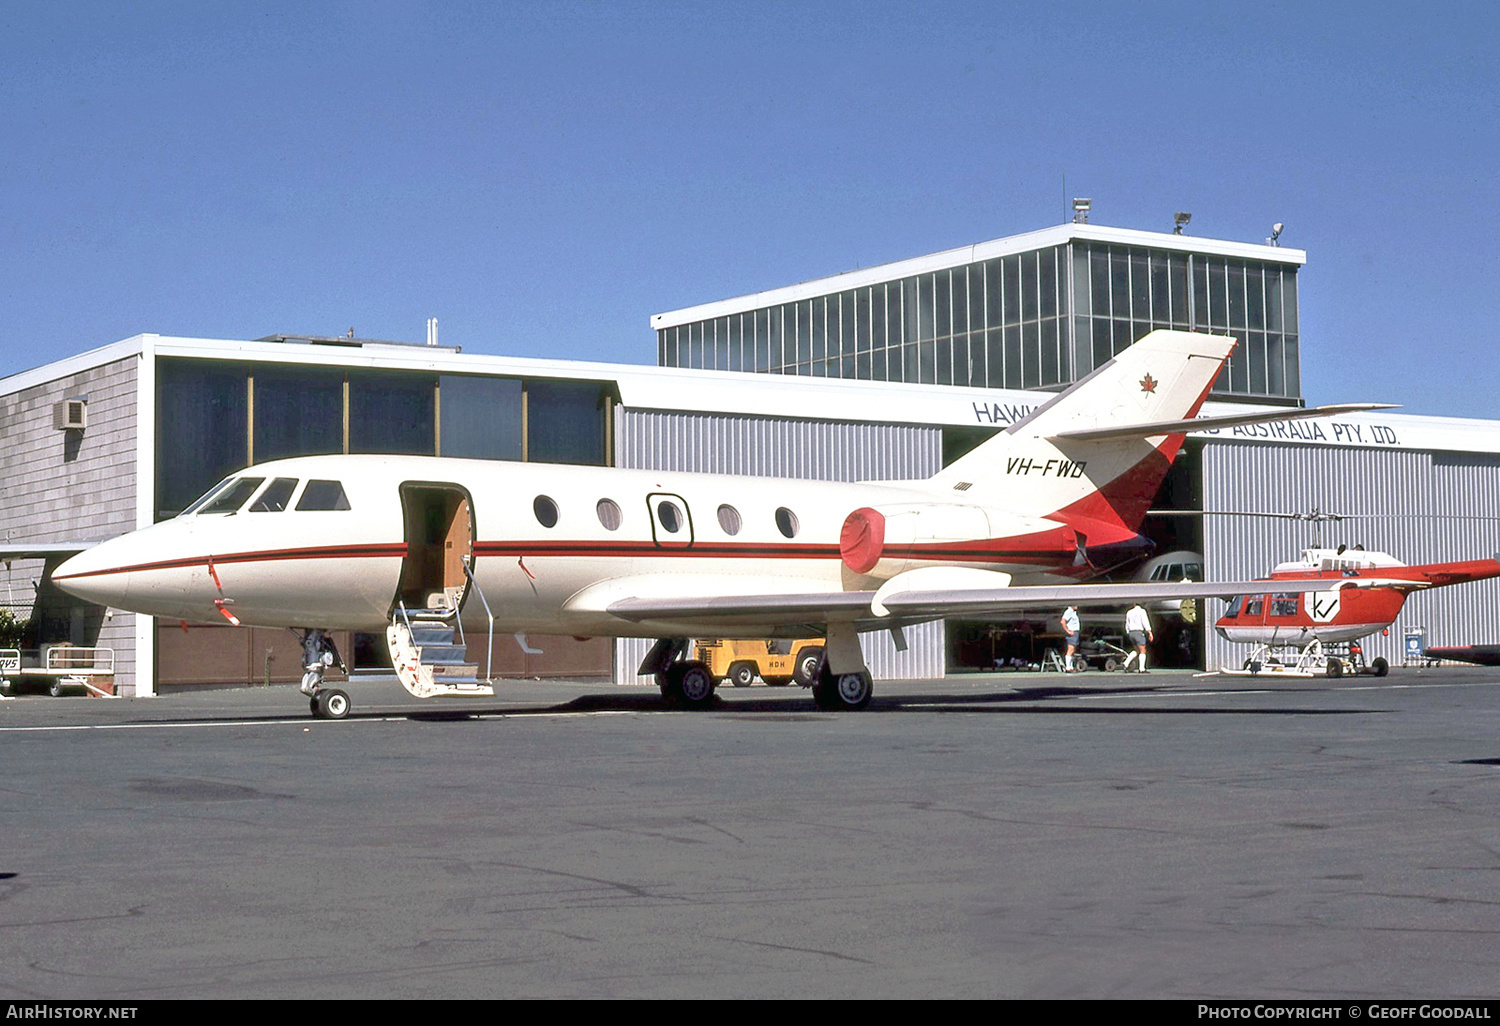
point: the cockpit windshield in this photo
(232, 497)
(205, 497)
(277, 494)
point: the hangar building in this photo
(888, 372)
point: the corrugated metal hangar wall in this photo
(1421, 507)
(725, 443)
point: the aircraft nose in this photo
(99, 575)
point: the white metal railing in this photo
(489, 666)
(78, 659)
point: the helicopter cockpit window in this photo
(1255, 605)
(323, 495)
(1284, 604)
(230, 499)
(1234, 606)
(277, 494)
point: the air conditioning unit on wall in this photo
(71, 415)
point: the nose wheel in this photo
(318, 654)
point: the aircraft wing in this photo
(1177, 427)
(898, 603)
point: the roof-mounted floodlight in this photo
(1276, 230)
(1180, 221)
(1081, 210)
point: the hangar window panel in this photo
(391, 413)
(202, 428)
(734, 345)
(1029, 286)
(1031, 356)
(721, 343)
(927, 372)
(1289, 301)
(994, 354)
(1255, 299)
(1099, 282)
(861, 365)
(1239, 371)
(1011, 283)
(1123, 336)
(819, 335)
(1275, 370)
(480, 417)
(1218, 294)
(844, 367)
(1102, 347)
(1049, 359)
(695, 345)
(1013, 376)
(992, 291)
(944, 351)
(894, 315)
(1255, 345)
(565, 422)
(1178, 263)
(848, 332)
(1119, 284)
(880, 360)
(1200, 293)
(878, 338)
(925, 315)
(862, 321)
(1273, 299)
(1140, 287)
(775, 354)
(1235, 273)
(1292, 367)
(1047, 280)
(976, 298)
(1161, 290)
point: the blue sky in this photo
(542, 177)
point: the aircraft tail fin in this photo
(1049, 465)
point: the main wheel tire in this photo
(1335, 667)
(844, 692)
(809, 663)
(689, 685)
(1380, 667)
(777, 682)
(742, 675)
(1110, 665)
(333, 704)
(55, 688)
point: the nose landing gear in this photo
(318, 654)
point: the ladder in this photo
(429, 652)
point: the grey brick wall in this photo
(64, 486)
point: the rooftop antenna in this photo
(1180, 221)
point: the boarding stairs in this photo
(430, 653)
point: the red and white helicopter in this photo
(421, 546)
(1313, 633)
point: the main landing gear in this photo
(688, 684)
(318, 654)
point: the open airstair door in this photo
(426, 635)
(439, 537)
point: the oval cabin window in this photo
(545, 510)
(609, 514)
(729, 519)
(786, 522)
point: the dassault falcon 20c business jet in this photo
(414, 545)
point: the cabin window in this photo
(670, 517)
(1254, 606)
(277, 494)
(233, 497)
(609, 514)
(545, 510)
(1284, 604)
(786, 522)
(323, 495)
(729, 520)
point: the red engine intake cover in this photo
(862, 539)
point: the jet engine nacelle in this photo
(885, 541)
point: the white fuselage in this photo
(343, 568)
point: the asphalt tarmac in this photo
(999, 836)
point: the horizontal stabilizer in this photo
(1177, 427)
